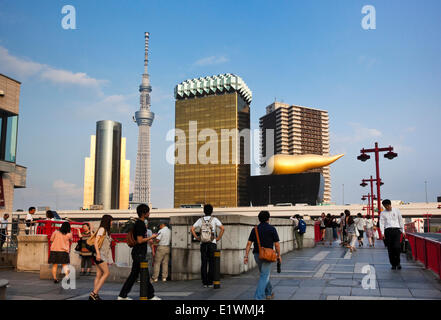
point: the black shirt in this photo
(267, 235)
(139, 229)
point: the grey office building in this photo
(107, 164)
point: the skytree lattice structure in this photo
(144, 119)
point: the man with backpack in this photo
(299, 230)
(208, 239)
(138, 239)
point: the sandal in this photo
(94, 296)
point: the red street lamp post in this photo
(389, 155)
(364, 184)
(366, 208)
(369, 207)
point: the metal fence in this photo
(8, 236)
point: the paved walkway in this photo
(320, 273)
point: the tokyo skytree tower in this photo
(144, 118)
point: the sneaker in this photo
(155, 298)
(154, 280)
(210, 286)
(399, 267)
(164, 279)
(393, 268)
(126, 298)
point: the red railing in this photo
(427, 251)
(48, 227)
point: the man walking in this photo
(392, 226)
(29, 219)
(208, 226)
(268, 239)
(139, 253)
(3, 230)
(162, 252)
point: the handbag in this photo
(78, 247)
(90, 243)
(265, 254)
(377, 236)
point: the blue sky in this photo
(377, 85)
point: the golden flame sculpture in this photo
(289, 164)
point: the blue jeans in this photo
(264, 287)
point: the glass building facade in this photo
(220, 182)
(8, 141)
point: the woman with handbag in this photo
(265, 237)
(86, 255)
(101, 242)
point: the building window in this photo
(8, 141)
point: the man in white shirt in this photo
(162, 255)
(392, 226)
(3, 230)
(29, 219)
(208, 248)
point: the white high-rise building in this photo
(298, 130)
(144, 118)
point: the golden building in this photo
(106, 171)
(210, 161)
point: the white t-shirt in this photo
(369, 224)
(360, 223)
(28, 217)
(296, 222)
(164, 237)
(214, 222)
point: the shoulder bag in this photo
(265, 254)
(90, 243)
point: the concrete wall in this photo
(185, 254)
(32, 252)
(186, 261)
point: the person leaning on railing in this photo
(29, 219)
